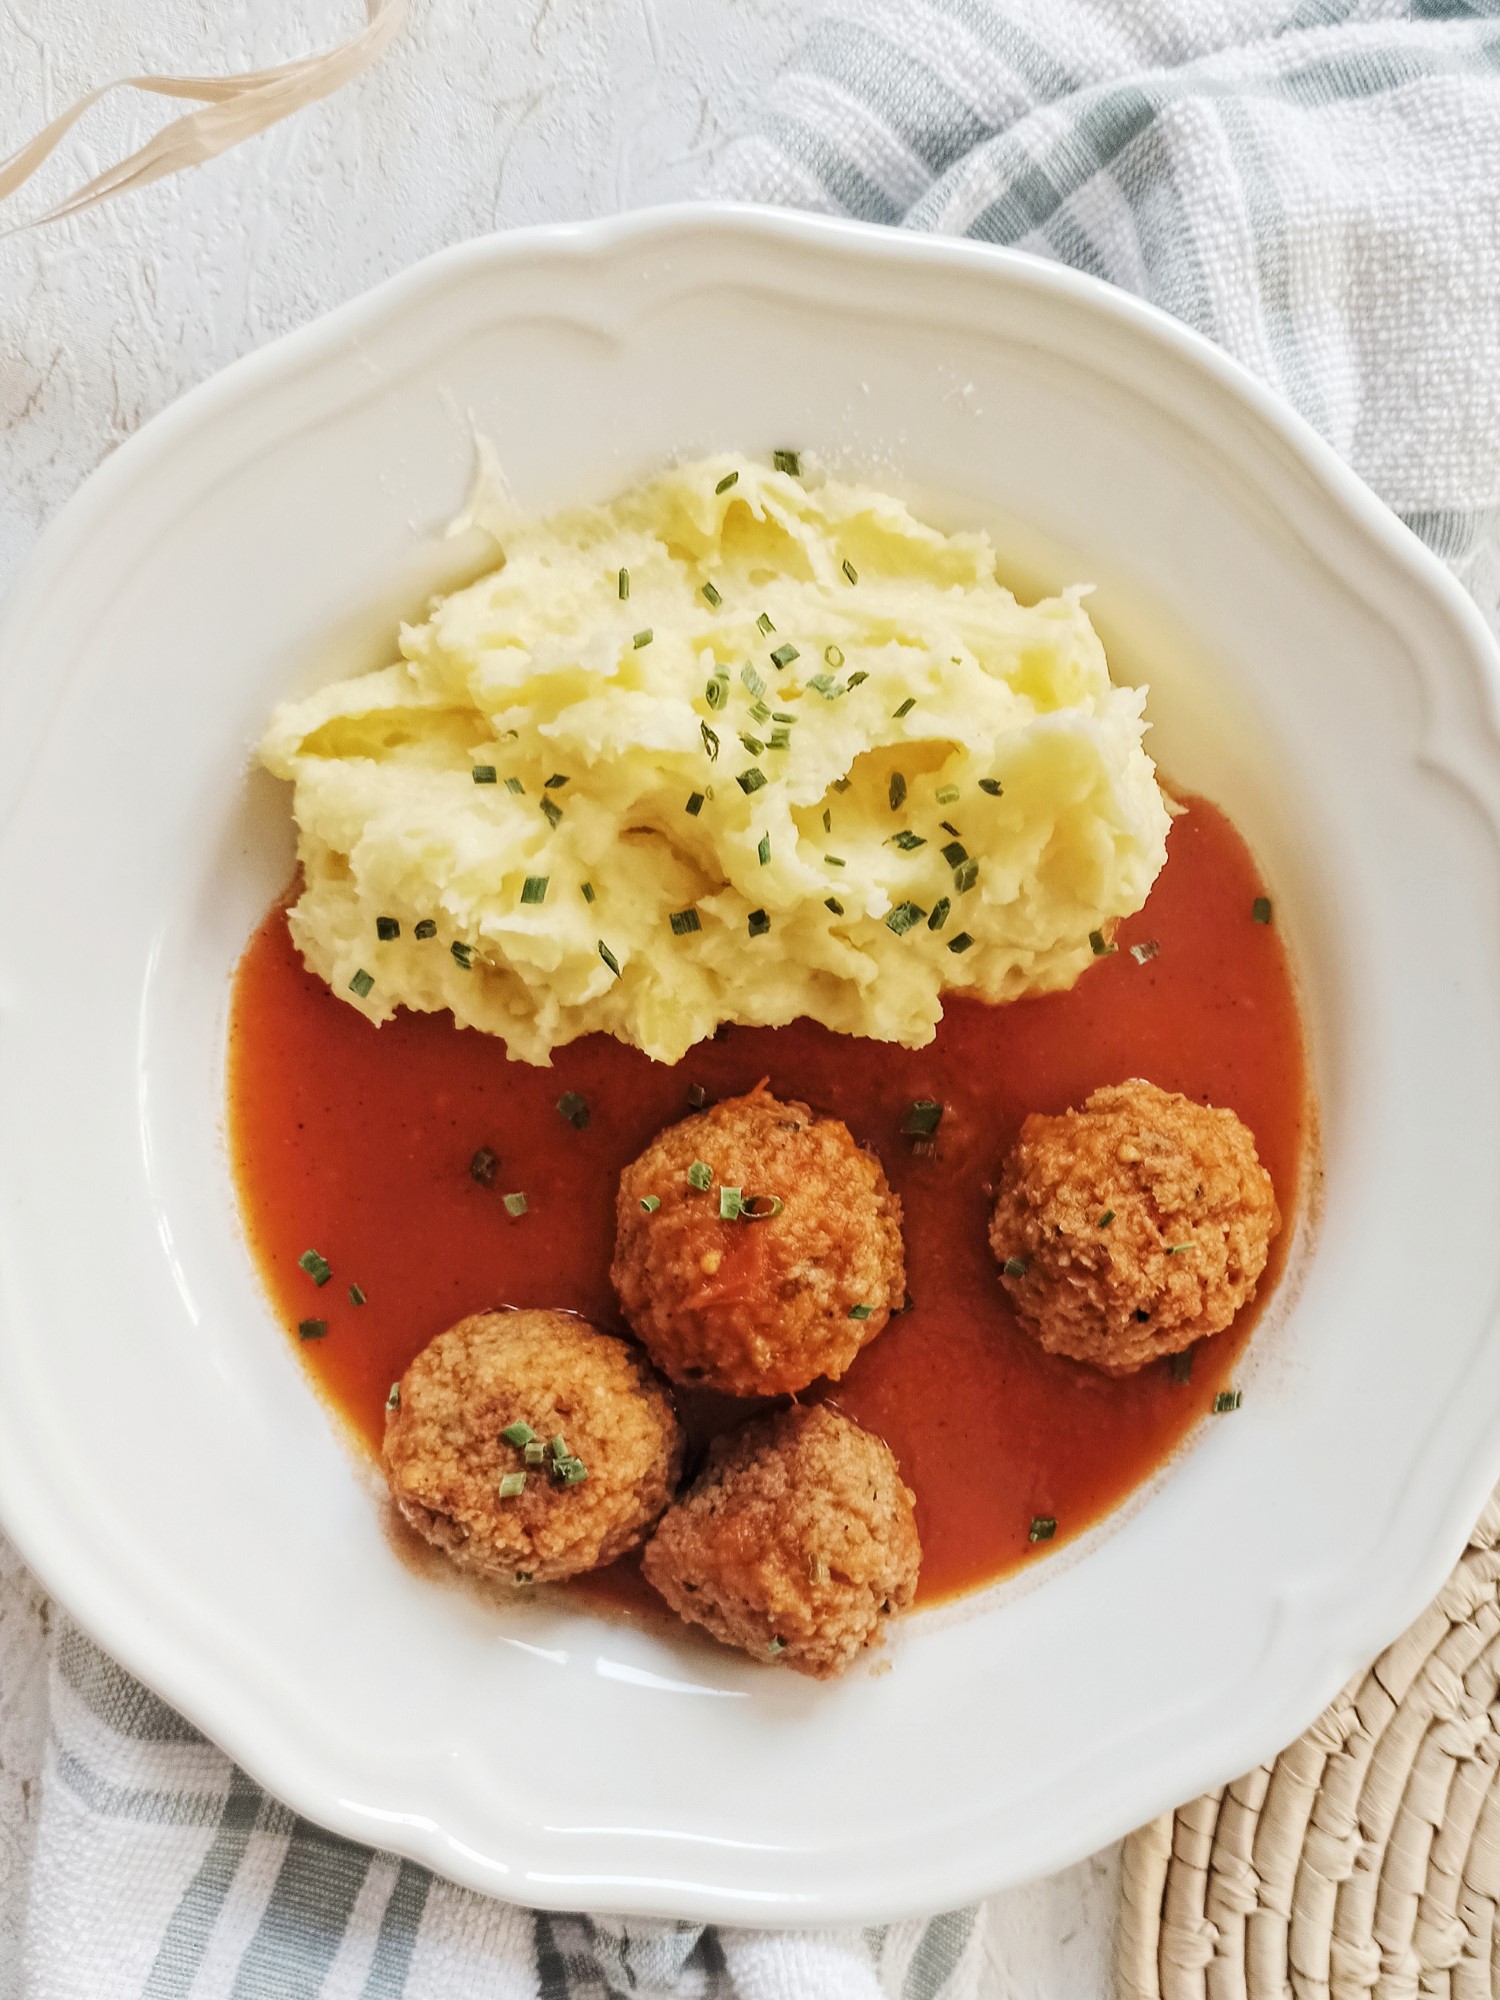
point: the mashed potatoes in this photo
(736, 747)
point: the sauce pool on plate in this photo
(357, 1142)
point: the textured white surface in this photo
(489, 115)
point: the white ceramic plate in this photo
(162, 1464)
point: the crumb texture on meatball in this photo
(1133, 1227)
(757, 1307)
(445, 1458)
(795, 1543)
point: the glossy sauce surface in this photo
(356, 1142)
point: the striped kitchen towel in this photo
(1314, 184)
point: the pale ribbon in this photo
(235, 108)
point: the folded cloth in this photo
(1314, 184)
(161, 1872)
(1316, 187)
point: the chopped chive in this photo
(558, 1446)
(512, 1485)
(833, 656)
(534, 889)
(780, 715)
(763, 850)
(387, 928)
(570, 1471)
(1178, 1249)
(903, 917)
(716, 693)
(609, 958)
(726, 482)
(356, 1296)
(642, 638)
(750, 1213)
(518, 1433)
(759, 712)
(553, 812)
(535, 1453)
(483, 774)
(751, 780)
(700, 1176)
(905, 709)
(896, 791)
(763, 623)
(731, 1201)
(361, 983)
(1106, 1219)
(514, 785)
(753, 744)
(842, 784)
(1144, 953)
(1227, 1400)
(697, 1097)
(780, 739)
(946, 794)
(393, 1396)
(777, 1645)
(853, 682)
(965, 875)
(1260, 910)
(464, 953)
(922, 1119)
(783, 656)
(712, 595)
(1180, 1367)
(484, 1166)
(861, 1312)
(939, 917)
(684, 922)
(312, 1329)
(850, 571)
(827, 820)
(694, 805)
(960, 943)
(556, 782)
(515, 1204)
(1043, 1528)
(955, 852)
(833, 903)
(650, 1203)
(835, 860)
(624, 584)
(948, 827)
(788, 461)
(1016, 1267)
(586, 890)
(575, 1109)
(1100, 945)
(758, 923)
(424, 929)
(993, 786)
(752, 680)
(710, 740)
(907, 841)
(316, 1266)
(825, 685)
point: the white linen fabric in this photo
(1314, 186)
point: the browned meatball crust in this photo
(757, 1308)
(1190, 1217)
(794, 1544)
(445, 1458)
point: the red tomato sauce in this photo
(356, 1142)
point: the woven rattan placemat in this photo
(1365, 1861)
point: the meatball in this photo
(1133, 1227)
(757, 1307)
(530, 1445)
(794, 1543)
